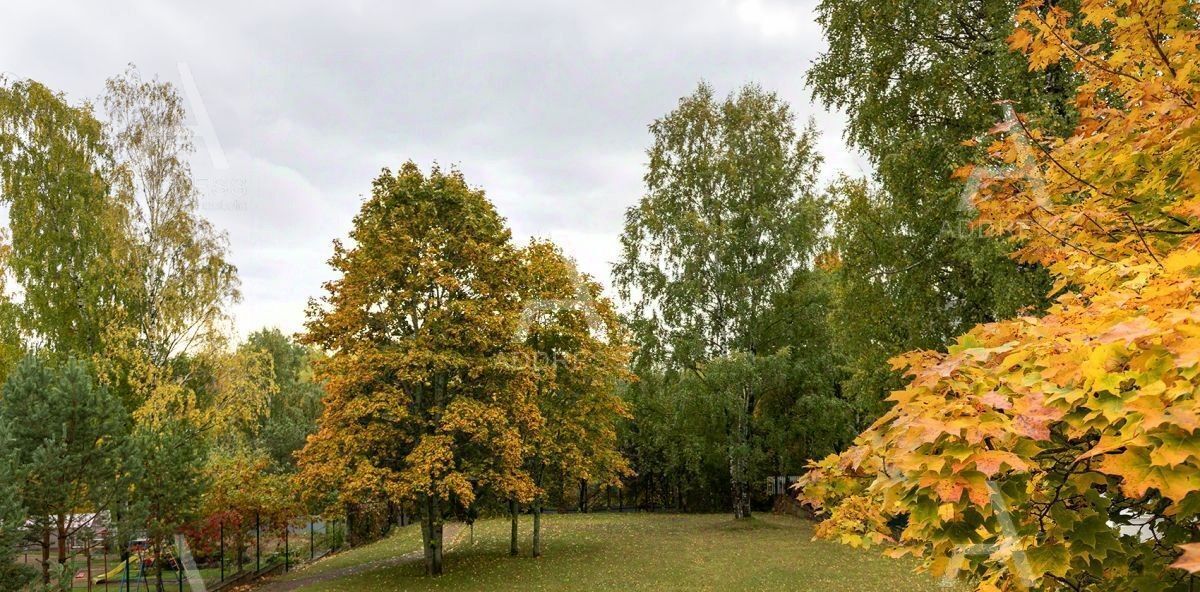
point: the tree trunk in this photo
(431, 534)
(239, 543)
(741, 499)
(738, 462)
(537, 529)
(46, 554)
(62, 541)
(158, 571)
(439, 548)
(513, 508)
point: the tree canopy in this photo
(918, 78)
(1020, 453)
(729, 221)
(429, 394)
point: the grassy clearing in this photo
(641, 552)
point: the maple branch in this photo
(1158, 48)
(1142, 237)
(1166, 61)
(1083, 57)
(1046, 151)
(1066, 242)
(1129, 200)
(1174, 232)
(1106, 231)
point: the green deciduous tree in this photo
(917, 79)
(729, 218)
(291, 413)
(55, 171)
(429, 392)
(674, 440)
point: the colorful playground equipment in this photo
(142, 562)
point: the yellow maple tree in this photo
(429, 396)
(1060, 452)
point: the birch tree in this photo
(174, 269)
(730, 215)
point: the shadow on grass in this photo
(490, 558)
(747, 525)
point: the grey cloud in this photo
(543, 104)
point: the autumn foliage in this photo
(581, 353)
(1060, 452)
(427, 391)
(442, 374)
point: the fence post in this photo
(287, 553)
(257, 542)
(179, 566)
(106, 542)
(222, 550)
(312, 540)
(128, 565)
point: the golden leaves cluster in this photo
(1084, 418)
(432, 389)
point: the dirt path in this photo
(452, 530)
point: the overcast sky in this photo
(542, 104)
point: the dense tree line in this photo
(736, 378)
(122, 399)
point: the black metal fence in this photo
(220, 554)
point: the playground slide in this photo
(117, 573)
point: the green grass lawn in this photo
(596, 552)
(403, 540)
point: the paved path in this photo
(450, 533)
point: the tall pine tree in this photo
(14, 574)
(69, 443)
